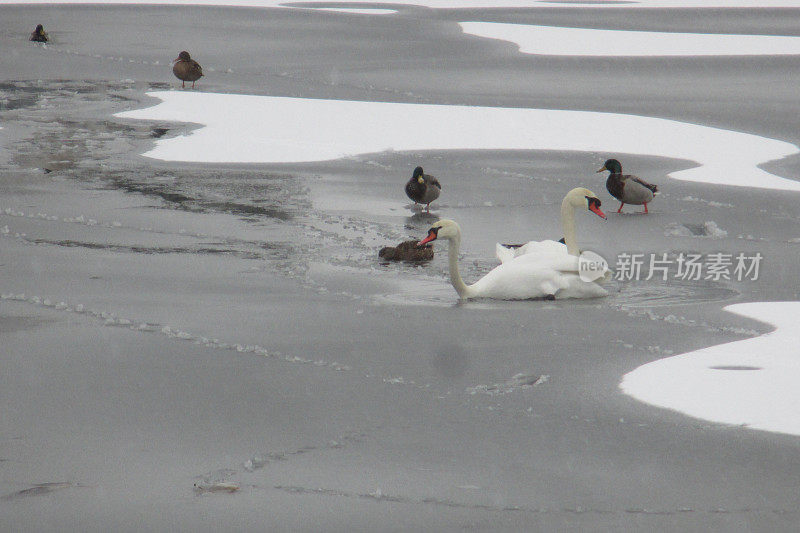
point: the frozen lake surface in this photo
(450, 4)
(197, 329)
(748, 383)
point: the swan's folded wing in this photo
(504, 253)
(535, 248)
(563, 264)
(521, 279)
(518, 280)
(577, 288)
(555, 260)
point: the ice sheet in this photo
(549, 40)
(267, 129)
(455, 3)
(751, 382)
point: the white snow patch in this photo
(752, 382)
(237, 130)
(352, 10)
(550, 40)
(710, 203)
(707, 229)
(714, 231)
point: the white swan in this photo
(525, 277)
(578, 198)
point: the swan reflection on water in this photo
(631, 295)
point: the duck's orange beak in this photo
(602, 169)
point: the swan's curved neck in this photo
(464, 291)
(568, 225)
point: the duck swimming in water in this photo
(187, 69)
(423, 188)
(39, 35)
(407, 251)
(626, 188)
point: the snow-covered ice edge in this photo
(550, 40)
(270, 129)
(455, 4)
(351, 10)
(752, 382)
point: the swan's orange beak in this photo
(431, 237)
(596, 210)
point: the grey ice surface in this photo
(170, 327)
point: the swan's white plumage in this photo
(521, 278)
(507, 253)
(577, 198)
(535, 276)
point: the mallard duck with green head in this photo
(626, 188)
(423, 188)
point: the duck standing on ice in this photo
(423, 188)
(187, 69)
(626, 188)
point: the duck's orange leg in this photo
(620, 207)
(645, 207)
(183, 84)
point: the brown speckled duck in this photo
(626, 188)
(39, 35)
(187, 69)
(423, 188)
(407, 251)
